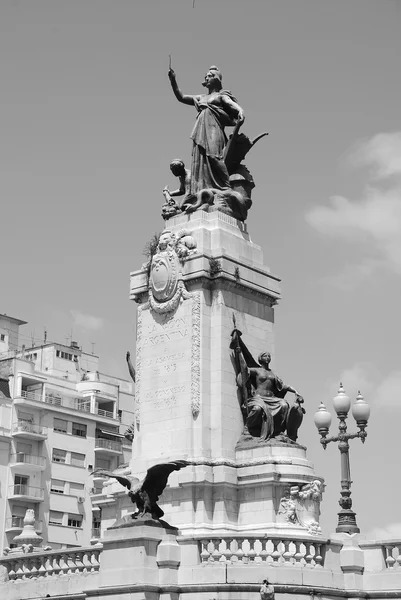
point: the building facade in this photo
(60, 419)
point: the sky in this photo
(89, 125)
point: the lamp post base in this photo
(347, 522)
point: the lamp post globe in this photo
(322, 419)
(341, 402)
(360, 410)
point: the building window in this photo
(59, 455)
(79, 429)
(74, 520)
(25, 416)
(102, 463)
(55, 518)
(23, 448)
(57, 486)
(78, 460)
(77, 489)
(60, 425)
(2, 337)
(65, 355)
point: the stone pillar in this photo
(143, 553)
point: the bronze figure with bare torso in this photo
(267, 414)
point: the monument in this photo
(242, 505)
(200, 395)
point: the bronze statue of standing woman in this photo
(217, 109)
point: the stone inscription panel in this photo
(165, 358)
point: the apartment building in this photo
(60, 418)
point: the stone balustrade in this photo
(53, 563)
(253, 549)
(392, 552)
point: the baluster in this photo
(227, 552)
(95, 557)
(263, 553)
(85, 562)
(205, 554)
(26, 567)
(318, 555)
(287, 554)
(399, 556)
(240, 553)
(74, 568)
(245, 549)
(308, 554)
(276, 553)
(216, 554)
(19, 571)
(390, 560)
(42, 571)
(252, 551)
(56, 564)
(64, 564)
(35, 565)
(12, 569)
(298, 556)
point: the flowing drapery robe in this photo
(267, 415)
(208, 170)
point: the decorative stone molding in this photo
(137, 406)
(298, 501)
(166, 287)
(195, 355)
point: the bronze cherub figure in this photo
(145, 493)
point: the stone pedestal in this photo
(142, 555)
(187, 403)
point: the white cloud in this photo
(392, 531)
(382, 153)
(389, 391)
(377, 391)
(374, 220)
(88, 322)
(352, 275)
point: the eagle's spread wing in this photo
(157, 476)
(127, 481)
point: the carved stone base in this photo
(247, 441)
(347, 522)
(131, 520)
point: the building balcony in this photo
(53, 398)
(28, 461)
(21, 491)
(103, 446)
(28, 430)
(16, 524)
(108, 414)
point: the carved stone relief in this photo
(166, 287)
(300, 504)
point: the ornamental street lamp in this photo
(360, 412)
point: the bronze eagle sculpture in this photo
(145, 493)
